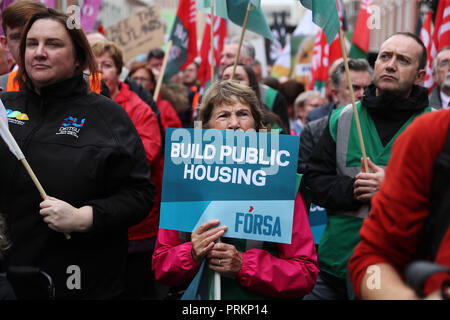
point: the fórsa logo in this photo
(16, 115)
(73, 122)
(257, 224)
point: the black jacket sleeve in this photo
(329, 190)
(127, 189)
(306, 147)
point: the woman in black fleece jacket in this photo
(88, 157)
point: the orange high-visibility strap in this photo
(96, 86)
(12, 85)
(195, 100)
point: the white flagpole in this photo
(217, 284)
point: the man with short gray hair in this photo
(440, 95)
(360, 75)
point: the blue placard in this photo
(247, 180)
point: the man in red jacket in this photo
(390, 235)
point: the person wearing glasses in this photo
(440, 96)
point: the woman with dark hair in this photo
(141, 73)
(249, 269)
(88, 157)
(244, 74)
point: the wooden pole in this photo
(161, 74)
(352, 95)
(212, 42)
(242, 39)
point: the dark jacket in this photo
(335, 192)
(309, 137)
(320, 112)
(85, 150)
(435, 98)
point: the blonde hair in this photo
(101, 47)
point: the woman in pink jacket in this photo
(248, 269)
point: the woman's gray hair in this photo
(227, 92)
(4, 243)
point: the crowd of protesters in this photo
(104, 177)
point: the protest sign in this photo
(137, 34)
(247, 180)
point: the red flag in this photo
(441, 34)
(361, 36)
(319, 62)
(425, 36)
(220, 35)
(323, 56)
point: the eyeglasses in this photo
(444, 63)
(140, 79)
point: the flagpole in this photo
(212, 41)
(217, 284)
(352, 95)
(163, 69)
(244, 26)
(11, 141)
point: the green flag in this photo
(325, 15)
(356, 53)
(235, 11)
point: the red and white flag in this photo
(324, 55)
(425, 36)
(441, 34)
(361, 35)
(220, 35)
(319, 63)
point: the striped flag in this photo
(319, 63)
(425, 36)
(220, 35)
(441, 34)
(327, 14)
(184, 39)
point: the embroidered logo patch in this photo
(71, 126)
(16, 117)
